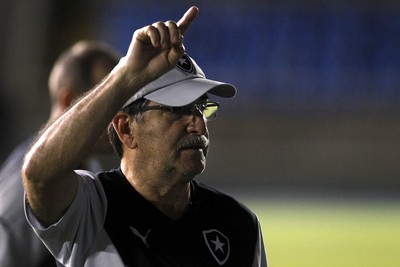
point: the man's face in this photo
(171, 144)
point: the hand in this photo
(156, 49)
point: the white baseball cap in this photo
(182, 85)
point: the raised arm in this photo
(47, 172)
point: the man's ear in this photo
(122, 123)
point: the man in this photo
(75, 71)
(150, 211)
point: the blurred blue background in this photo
(318, 104)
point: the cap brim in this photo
(187, 91)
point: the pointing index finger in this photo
(187, 19)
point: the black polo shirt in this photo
(216, 230)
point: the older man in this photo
(150, 211)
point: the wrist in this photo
(125, 79)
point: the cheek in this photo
(160, 142)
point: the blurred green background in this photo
(320, 232)
(310, 143)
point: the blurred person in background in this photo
(77, 70)
(150, 211)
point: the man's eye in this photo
(179, 110)
(187, 110)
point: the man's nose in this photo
(197, 123)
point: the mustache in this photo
(193, 141)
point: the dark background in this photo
(318, 104)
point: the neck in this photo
(172, 199)
(173, 202)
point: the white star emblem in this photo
(182, 61)
(218, 244)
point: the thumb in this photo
(176, 53)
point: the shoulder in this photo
(222, 205)
(89, 184)
(218, 198)
(111, 180)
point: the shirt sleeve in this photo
(260, 258)
(73, 235)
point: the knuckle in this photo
(158, 24)
(171, 23)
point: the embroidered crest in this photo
(218, 244)
(185, 64)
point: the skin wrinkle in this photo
(159, 166)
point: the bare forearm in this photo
(154, 50)
(48, 167)
(68, 140)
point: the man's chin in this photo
(193, 169)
